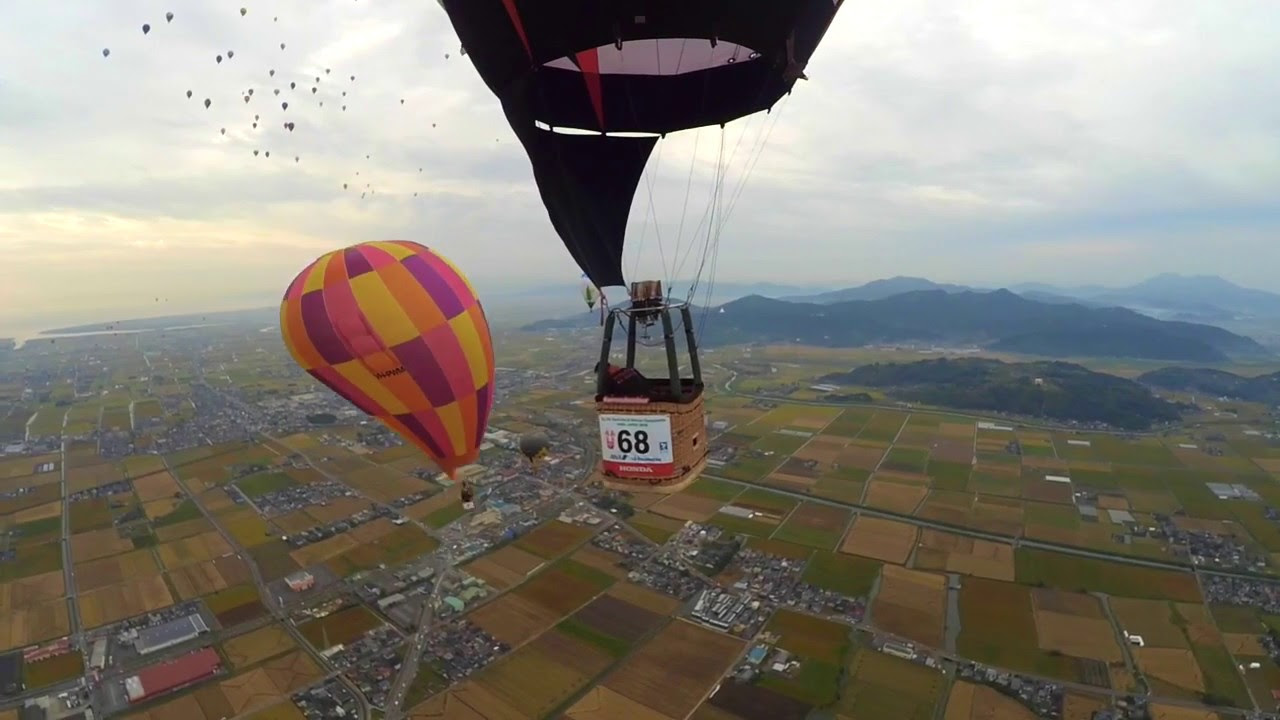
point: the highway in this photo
(413, 654)
(68, 566)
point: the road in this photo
(413, 655)
(272, 602)
(68, 567)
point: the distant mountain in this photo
(1055, 390)
(876, 290)
(1216, 383)
(269, 315)
(997, 320)
(1201, 298)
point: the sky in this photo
(982, 142)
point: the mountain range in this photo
(998, 320)
(1190, 298)
(1216, 383)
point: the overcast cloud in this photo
(978, 142)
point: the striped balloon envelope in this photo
(398, 331)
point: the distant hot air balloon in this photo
(397, 330)
(168, 17)
(534, 447)
(106, 52)
(146, 28)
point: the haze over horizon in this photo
(990, 145)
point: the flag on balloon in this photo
(398, 331)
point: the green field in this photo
(263, 483)
(1081, 574)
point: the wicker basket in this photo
(688, 439)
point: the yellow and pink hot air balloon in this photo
(398, 331)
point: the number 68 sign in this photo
(636, 446)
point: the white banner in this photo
(636, 445)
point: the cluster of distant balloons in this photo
(248, 94)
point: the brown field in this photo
(980, 702)
(156, 486)
(1047, 491)
(643, 597)
(293, 522)
(186, 528)
(952, 450)
(880, 539)
(31, 591)
(247, 527)
(96, 544)
(444, 706)
(1200, 627)
(674, 671)
(645, 500)
(1174, 712)
(571, 652)
(1172, 665)
(688, 507)
(421, 509)
(559, 592)
(198, 579)
(116, 602)
(383, 483)
(112, 570)
(911, 604)
(618, 618)
(601, 703)
(346, 507)
(1082, 707)
(553, 539)
(863, 457)
(1149, 618)
(486, 704)
(274, 679)
(196, 548)
(1246, 644)
(216, 500)
(894, 496)
(1052, 465)
(504, 568)
(1077, 636)
(965, 555)
(600, 559)
(323, 550)
(33, 624)
(258, 645)
(824, 449)
(284, 710)
(1066, 603)
(91, 476)
(38, 512)
(513, 619)
(1119, 502)
(903, 477)
(957, 430)
(159, 508)
(534, 680)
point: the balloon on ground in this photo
(398, 331)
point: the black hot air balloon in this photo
(561, 65)
(207, 103)
(534, 446)
(146, 28)
(168, 17)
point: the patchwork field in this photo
(553, 539)
(911, 604)
(887, 540)
(945, 551)
(132, 597)
(969, 701)
(673, 672)
(883, 686)
(504, 567)
(257, 645)
(814, 524)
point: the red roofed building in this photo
(164, 677)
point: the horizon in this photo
(1083, 144)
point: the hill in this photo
(1216, 383)
(876, 290)
(997, 320)
(1060, 391)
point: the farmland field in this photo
(965, 555)
(814, 524)
(821, 646)
(672, 672)
(887, 540)
(882, 686)
(553, 539)
(339, 628)
(911, 604)
(1070, 572)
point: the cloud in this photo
(998, 142)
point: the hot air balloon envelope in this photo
(397, 330)
(533, 446)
